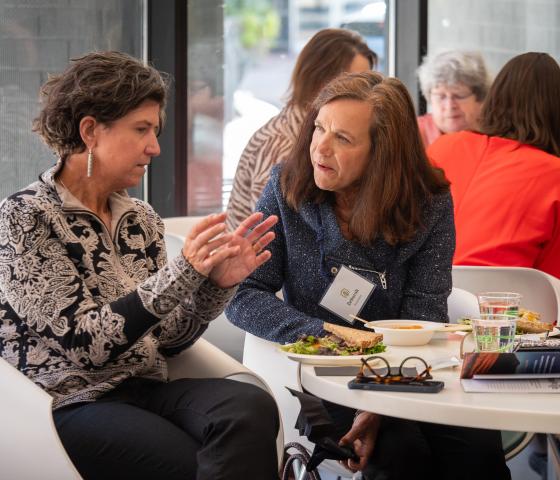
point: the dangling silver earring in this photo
(89, 163)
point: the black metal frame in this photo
(411, 39)
(167, 51)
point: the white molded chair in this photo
(461, 303)
(539, 290)
(26, 423)
(180, 225)
(540, 293)
(220, 332)
(173, 244)
(29, 443)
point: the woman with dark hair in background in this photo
(89, 304)
(505, 180)
(358, 198)
(328, 53)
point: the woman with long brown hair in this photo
(328, 53)
(505, 179)
(361, 209)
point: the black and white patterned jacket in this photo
(83, 308)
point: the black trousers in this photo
(186, 429)
(409, 450)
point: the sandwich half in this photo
(354, 337)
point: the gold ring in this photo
(257, 247)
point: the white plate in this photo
(326, 359)
(538, 336)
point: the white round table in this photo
(532, 412)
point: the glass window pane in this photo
(205, 101)
(241, 55)
(37, 38)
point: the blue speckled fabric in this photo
(308, 251)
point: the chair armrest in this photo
(29, 441)
(204, 360)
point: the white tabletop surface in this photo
(532, 412)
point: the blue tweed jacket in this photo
(307, 253)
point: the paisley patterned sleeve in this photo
(190, 318)
(40, 284)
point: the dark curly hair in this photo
(105, 85)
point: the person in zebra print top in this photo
(329, 52)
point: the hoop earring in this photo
(89, 163)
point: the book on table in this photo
(521, 372)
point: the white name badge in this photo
(347, 294)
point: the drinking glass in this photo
(498, 303)
(494, 333)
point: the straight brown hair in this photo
(398, 181)
(328, 53)
(524, 102)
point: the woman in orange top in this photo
(505, 181)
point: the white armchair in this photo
(539, 290)
(180, 225)
(540, 293)
(26, 423)
(461, 303)
(27, 426)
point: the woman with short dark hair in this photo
(358, 198)
(89, 304)
(505, 179)
(328, 53)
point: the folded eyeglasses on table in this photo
(412, 375)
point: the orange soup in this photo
(404, 327)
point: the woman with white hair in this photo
(454, 84)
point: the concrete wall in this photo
(500, 29)
(38, 37)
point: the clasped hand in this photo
(228, 258)
(361, 437)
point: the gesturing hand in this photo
(250, 254)
(202, 249)
(362, 438)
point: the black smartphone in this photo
(428, 386)
(344, 371)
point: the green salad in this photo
(329, 345)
